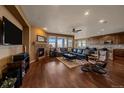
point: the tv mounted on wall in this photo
(12, 35)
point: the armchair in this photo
(100, 64)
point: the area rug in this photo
(70, 64)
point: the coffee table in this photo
(69, 56)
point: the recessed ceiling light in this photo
(86, 13)
(45, 28)
(102, 21)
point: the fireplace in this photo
(40, 52)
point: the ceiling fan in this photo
(76, 31)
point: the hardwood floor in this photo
(51, 73)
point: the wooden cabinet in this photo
(93, 40)
(108, 39)
(116, 38)
(118, 54)
(97, 40)
(121, 38)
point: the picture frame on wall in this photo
(40, 38)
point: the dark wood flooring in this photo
(51, 73)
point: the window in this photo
(83, 43)
(70, 42)
(79, 43)
(60, 42)
(52, 41)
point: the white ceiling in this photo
(61, 18)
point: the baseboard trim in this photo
(38, 59)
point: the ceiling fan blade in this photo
(79, 30)
(75, 31)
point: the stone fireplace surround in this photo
(41, 50)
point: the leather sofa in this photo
(79, 53)
(83, 53)
(54, 52)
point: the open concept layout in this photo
(62, 46)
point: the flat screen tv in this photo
(12, 35)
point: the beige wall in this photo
(27, 32)
(22, 14)
(8, 15)
(34, 32)
(5, 54)
(26, 35)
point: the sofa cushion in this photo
(79, 51)
(63, 49)
(72, 53)
(74, 50)
(81, 55)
